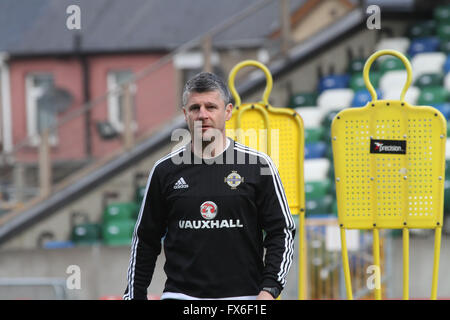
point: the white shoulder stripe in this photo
(287, 256)
(289, 243)
(132, 265)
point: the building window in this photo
(191, 63)
(40, 115)
(116, 100)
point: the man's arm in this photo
(146, 245)
(279, 227)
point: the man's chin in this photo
(206, 138)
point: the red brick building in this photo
(154, 101)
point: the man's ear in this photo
(228, 111)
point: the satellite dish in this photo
(56, 99)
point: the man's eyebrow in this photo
(192, 106)
(211, 104)
(196, 105)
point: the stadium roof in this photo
(39, 26)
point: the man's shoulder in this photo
(263, 158)
(171, 159)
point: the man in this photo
(212, 210)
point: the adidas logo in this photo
(181, 184)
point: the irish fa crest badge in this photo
(234, 179)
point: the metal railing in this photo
(325, 272)
(47, 288)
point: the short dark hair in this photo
(204, 82)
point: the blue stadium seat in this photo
(58, 244)
(363, 96)
(315, 150)
(429, 44)
(337, 81)
(447, 64)
(444, 108)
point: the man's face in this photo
(206, 112)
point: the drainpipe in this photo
(82, 57)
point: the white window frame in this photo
(193, 60)
(186, 61)
(113, 101)
(32, 94)
(5, 97)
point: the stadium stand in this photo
(118, 220)
(427, 45)
(84, 232)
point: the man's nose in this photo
(203, 114)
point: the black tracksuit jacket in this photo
(216, 217)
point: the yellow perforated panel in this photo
(277, 132)
(389, 190)
(280, 134)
